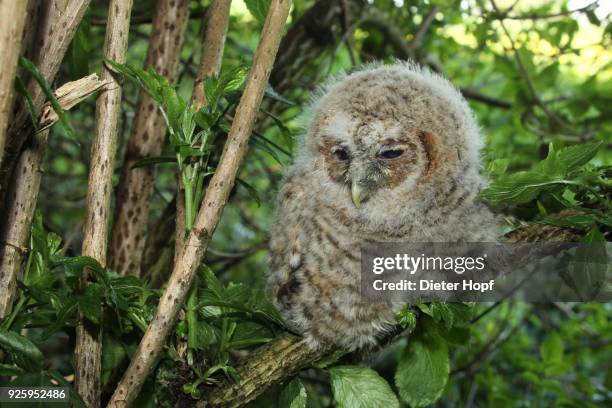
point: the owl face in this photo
(384, 144)
(370, 160)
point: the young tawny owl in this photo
(391, 153)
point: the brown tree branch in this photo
(69, 95)
(62, 19)
(148, 132)
(217, 22)
(212, 55)
(208, 217)
(87, 352)
(13, 15)
(286, 355)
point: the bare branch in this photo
(88, 347)
(208, 217)
(148, 131)
(69, 95)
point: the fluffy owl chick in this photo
(391, 153)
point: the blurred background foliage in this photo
(535, 72)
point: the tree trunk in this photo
(57, 28)
(148, 133)
(95, 235)
(13, 18)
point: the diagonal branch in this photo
(212, 206)
(148, 131)
(87, 365)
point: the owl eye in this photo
(390, 154)
(341, 154)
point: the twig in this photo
(210, 212)
(148, 132)
(87, 365)
(69, 95)
(422, 30)
(13, 15)
(23, 189)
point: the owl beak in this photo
(358, 193)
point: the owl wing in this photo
(287, 242)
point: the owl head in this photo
(384, 139)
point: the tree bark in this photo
(270, 364)
(61, 20)
(13, 18)
(212, 54)
(95, 235)
(208, 217)
(147, 138)
(212, 49)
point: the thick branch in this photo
(13, 15)
(282, 358)
(147, 138)
(88, 347)
(23, 188)
(210, 212)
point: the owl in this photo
(390, 153)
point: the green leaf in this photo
(551, 349)
(519, 188)
(258, 9)
(212, 283)
(423, 368)
(9, 370)
(79, 52)
(406, 318)
(46, 88)
(575, 156)
(25, 353)
(251, 190)
(293, 395)
(360, 387)
(23, 92)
